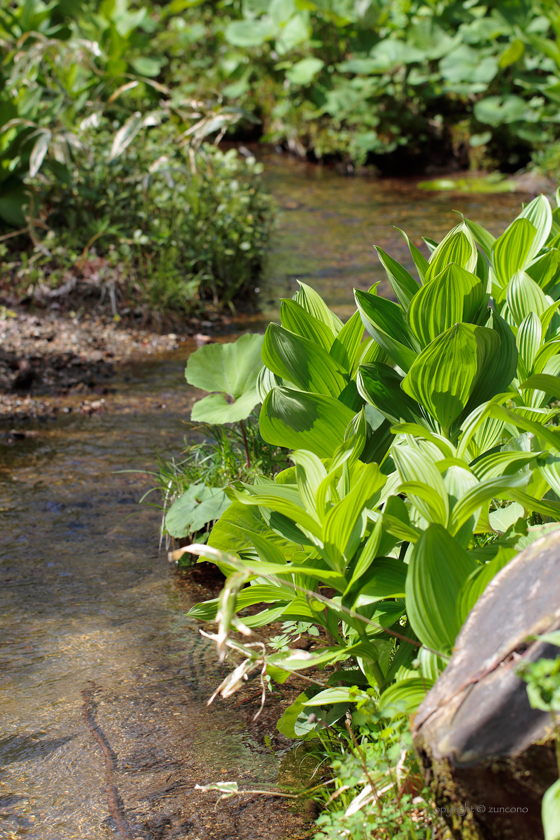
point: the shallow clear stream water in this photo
(86, 598)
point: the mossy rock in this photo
(487, 755)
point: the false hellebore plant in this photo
(425, 458)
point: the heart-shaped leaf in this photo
(232, 370)
(194, 509)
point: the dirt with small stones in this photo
(48, 358)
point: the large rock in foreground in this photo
(486, 753)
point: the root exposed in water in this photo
(114, 801)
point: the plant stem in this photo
(556, 738)
(245, 441)
(362, 761)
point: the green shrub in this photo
(175, 237)
(422, 458)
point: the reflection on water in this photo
(330, 224)
(85, 596)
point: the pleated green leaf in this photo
(429, 504)
(458, 247)
(497, 360)
(380, 386)
(296, 319)
(316, 306)
(543, 382)
(550, 471)
(529, 339)
(310, 472)
(515, 418)
(283, 499)
(453, 296)
(443, 376)
(384, 321)
(524, 296)
(346, 347)
(386, 578)
(437, 570)
(496, 464)
(418, 257)
(402, 282)
(539, 213)
(511, 252)
(341, 520)
(404, 697)
(484, 491)
(300, 420)
(482, 236)
(302, 362)
(545, 271)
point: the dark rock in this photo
(488, 756)
(24, 377)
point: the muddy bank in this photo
(51, 362)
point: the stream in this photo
(93, 622)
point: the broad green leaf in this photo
(404, 697)
(380, 385)
(248, 33)
(550, 471)
(316, 306)
(490, 488)
(497, 364)
(341, 694)
(346, 347)
(231, 369)
(294, 723)
(437, 570)
(368, 554)
(236, 528)
(502, 519)
(543, 382)
(551, 812)
(458, 247)
(198, 506)
(428, 503)
(539, 213)
(524, 296)
(420, 260)
(296, 319)
(302, 362)
(545, 270)
(511, 252)
(447, 449)
(501, 463)
(453, 296)
(403, 284)
(215, 408)
(444, 375)
(482, 236)
(300, 420)
(304, 71)
(310, 472)
(529, 339)
(517, 419)
(339, 538)
(283, 499)
(384, 321)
